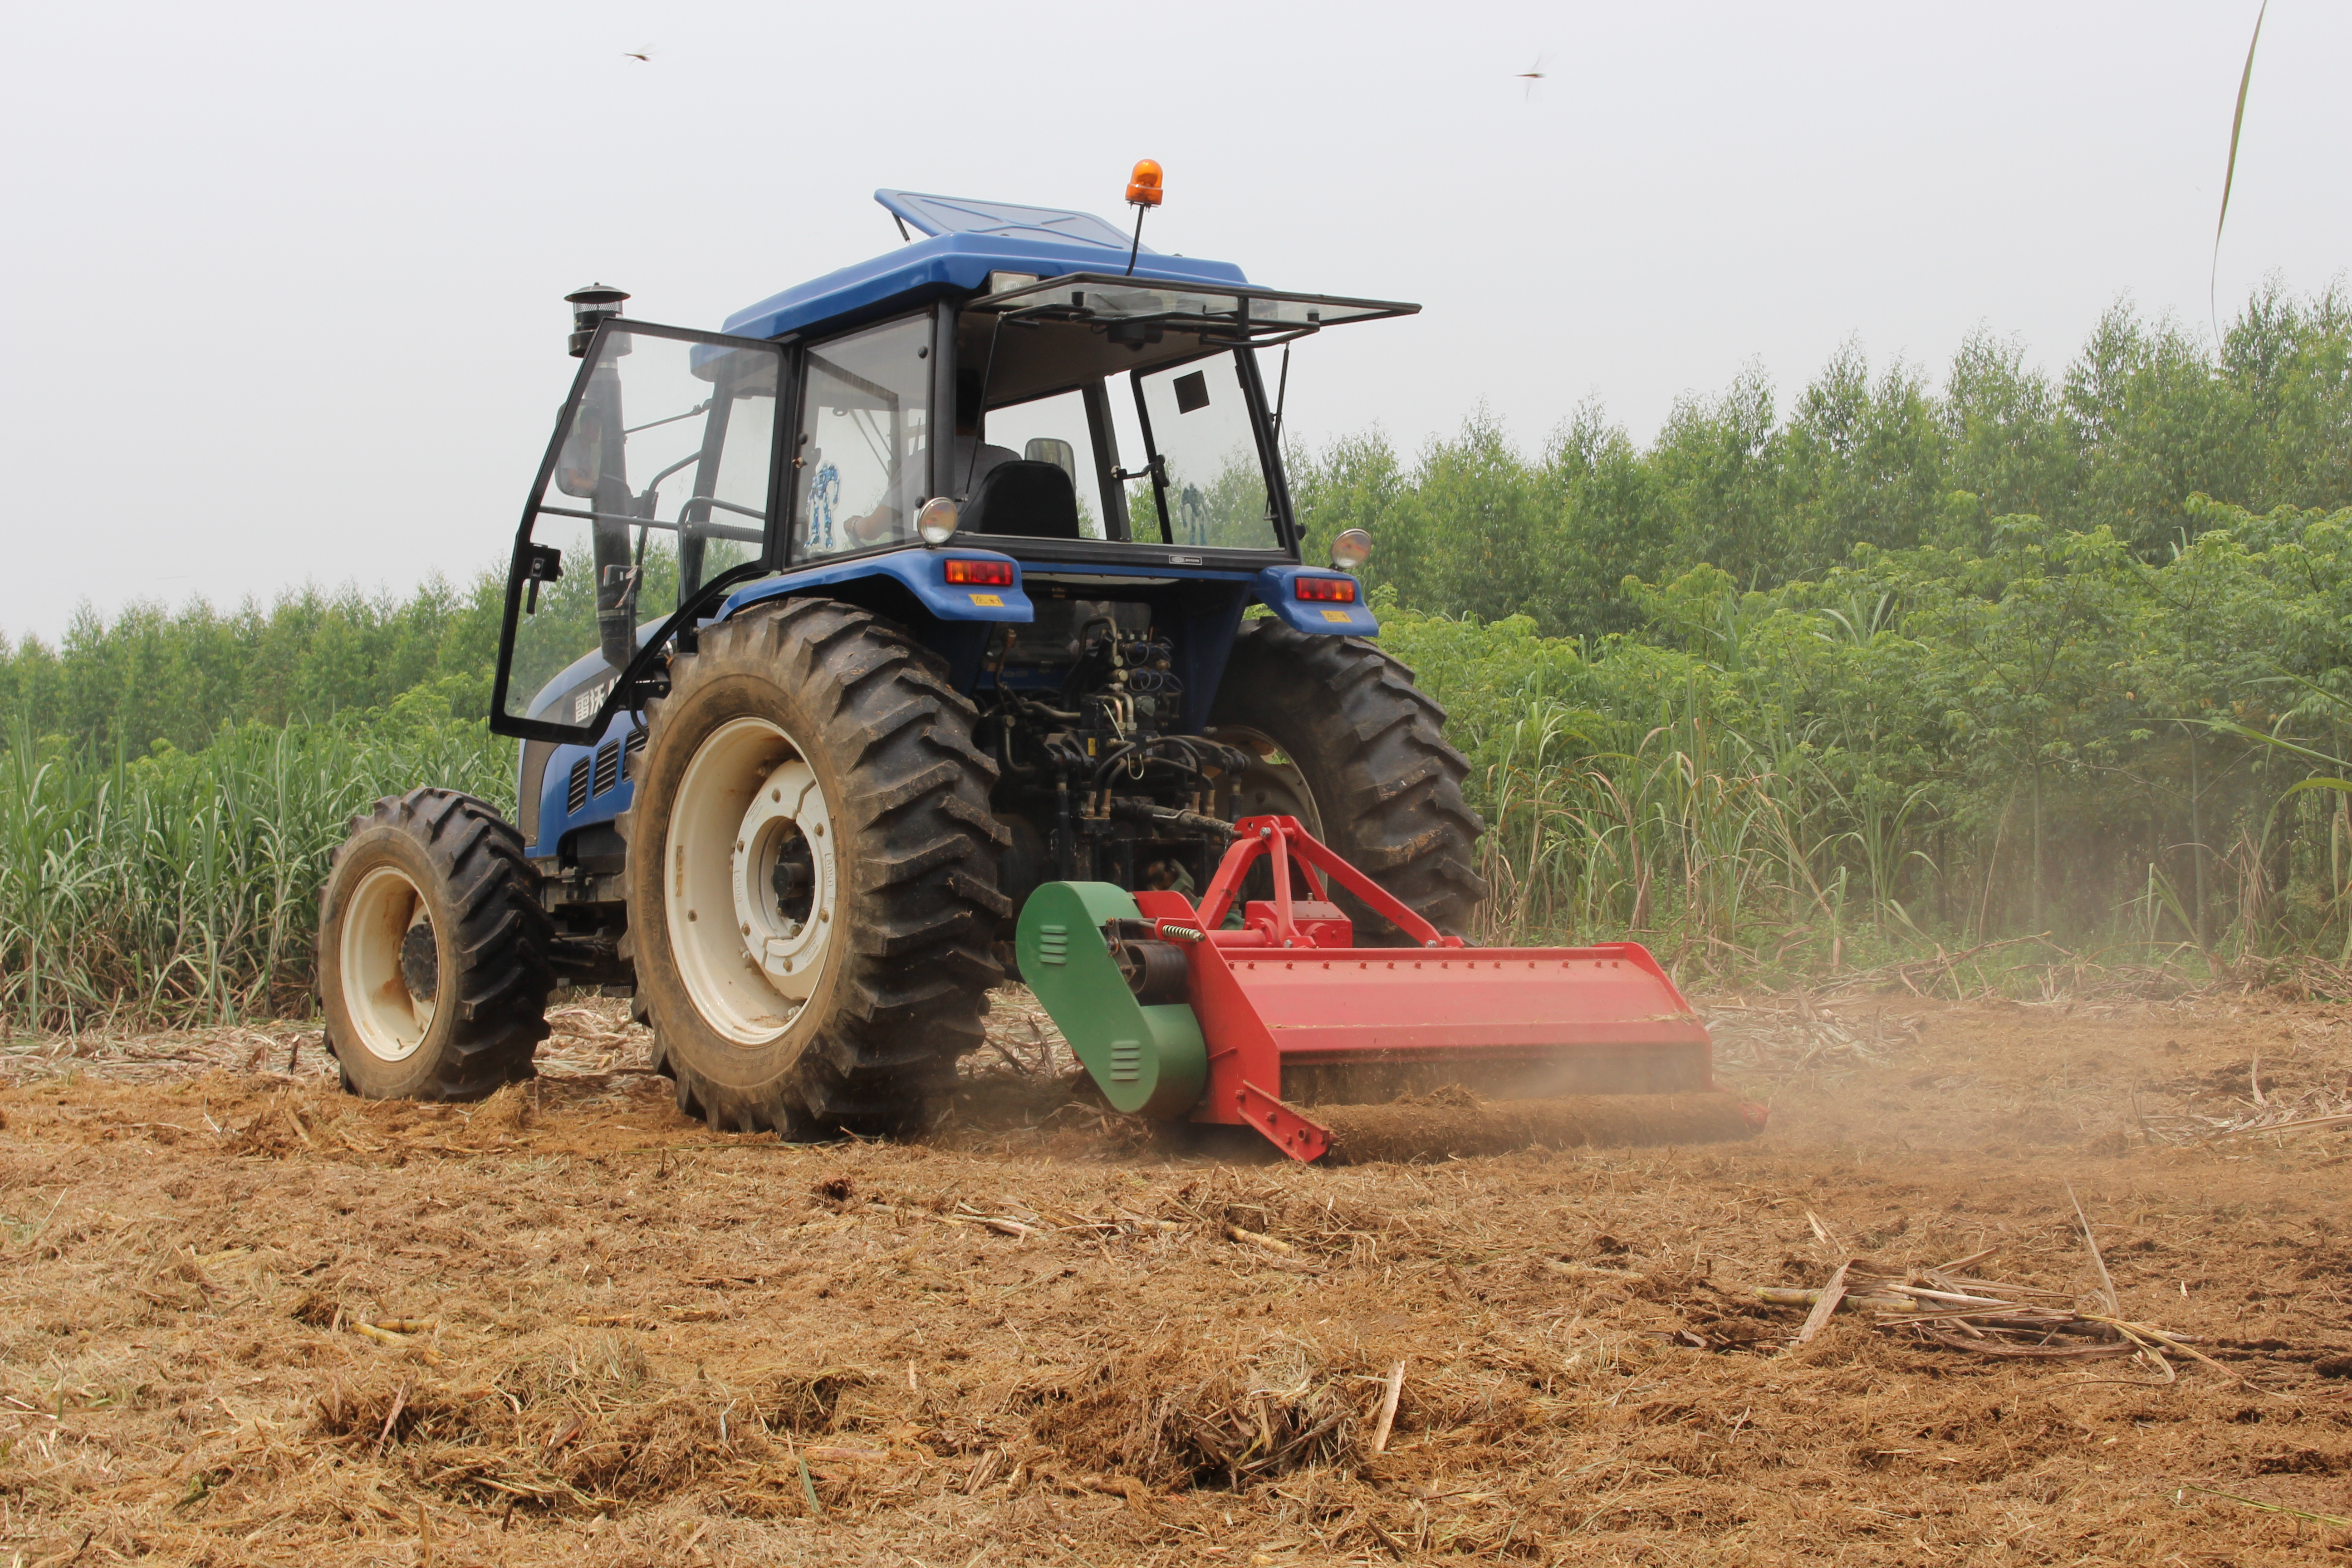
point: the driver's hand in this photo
(872, 526)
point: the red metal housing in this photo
(1290, 1007)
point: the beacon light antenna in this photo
(1143, 194)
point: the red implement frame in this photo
(1288, 989)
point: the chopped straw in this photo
(1832, 1294)
(1393, 1388)
(1992, 1319)
(399, 1402)
(2107, 1280)
(1235, 1233)
(2327, 1519)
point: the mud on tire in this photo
(1370, 747)
(433, 964)
(892, 884)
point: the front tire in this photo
(1352, 748)
(433, 967)
(812, 876)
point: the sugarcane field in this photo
(2090, 1262)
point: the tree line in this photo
(2146, 419)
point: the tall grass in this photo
(1669, 826)
(1753, 817)
(182, 886)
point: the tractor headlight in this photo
(937, 521)
(1351, 550)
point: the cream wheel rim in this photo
(391, 965)
(750, 890)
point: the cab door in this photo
(658, 491)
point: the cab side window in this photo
(862, 458)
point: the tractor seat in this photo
(1028, 500)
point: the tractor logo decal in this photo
(992, 601)
(584, 706)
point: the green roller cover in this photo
(1150, 1060)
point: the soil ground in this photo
(1041, 1335)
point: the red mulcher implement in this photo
(1278, 1021)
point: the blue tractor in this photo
(831, 636)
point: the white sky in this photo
(286, 280)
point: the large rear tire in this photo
(1347, 744)
(433, 964)
(812, 876)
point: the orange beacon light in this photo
(1143, 194)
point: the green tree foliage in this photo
(152, 674)
(1953, 656)
(2145, 418)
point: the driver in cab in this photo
(973, 460)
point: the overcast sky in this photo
(286, 281)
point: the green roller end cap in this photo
(1148, 1060)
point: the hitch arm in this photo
(1283, 837)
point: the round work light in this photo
(937, 521)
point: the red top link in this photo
(1282, 838)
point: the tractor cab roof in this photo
(963, 243)
(1047, 264)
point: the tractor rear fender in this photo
(922, 572)
(1278, 589)
(910, 587)
(1204, 606)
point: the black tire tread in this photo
(502, 937)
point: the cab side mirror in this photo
(577, 465)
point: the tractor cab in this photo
(1026, 388)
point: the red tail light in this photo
(1331, 590)
(986, 574)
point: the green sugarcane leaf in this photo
(2230, 174)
